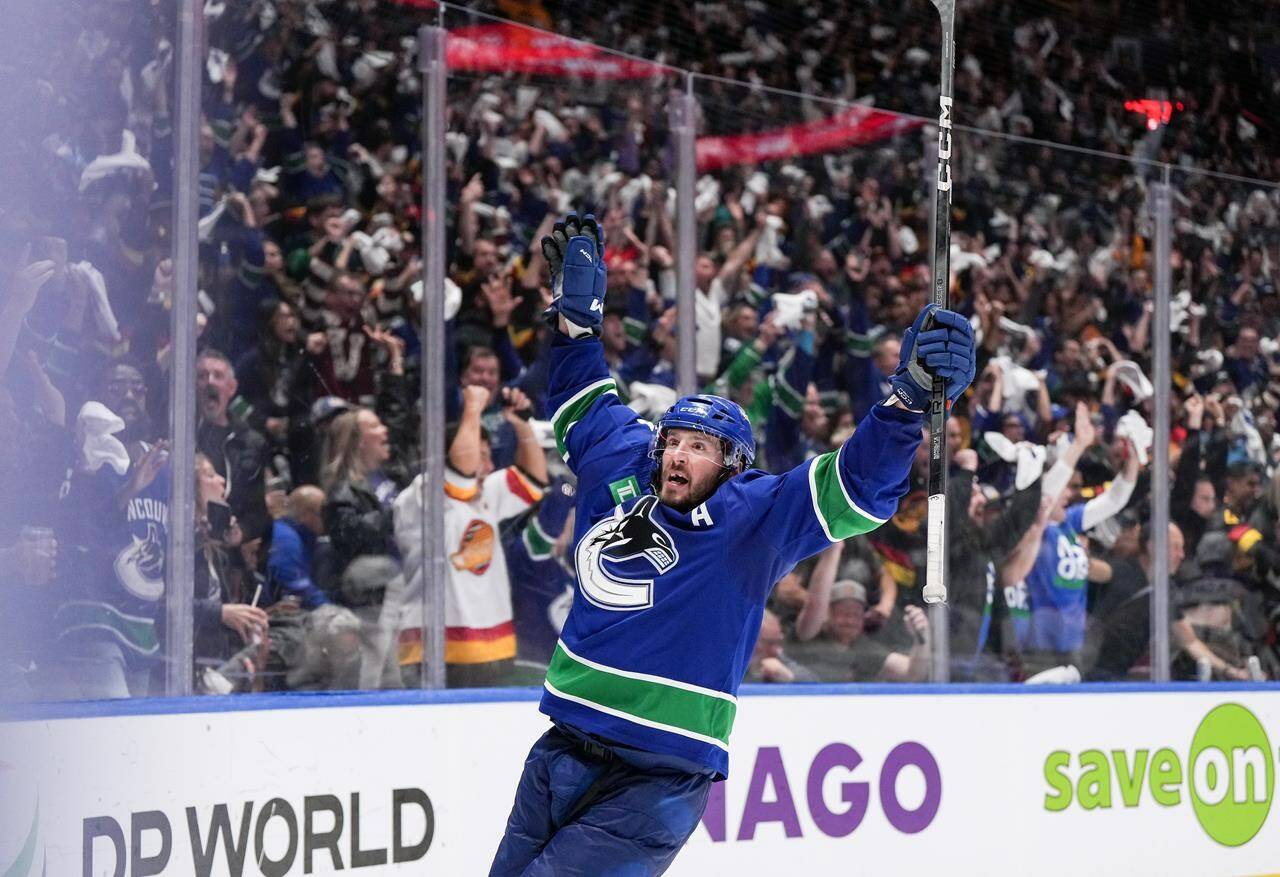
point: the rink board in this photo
(832, 779)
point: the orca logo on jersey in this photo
(140, 565)
(616, 541)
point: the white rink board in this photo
(89, 775)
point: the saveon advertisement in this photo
(822, 781)
(1082, 780)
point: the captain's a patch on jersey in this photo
(624, 489)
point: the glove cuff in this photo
(913, 402)
(576, 331)
(551, 316)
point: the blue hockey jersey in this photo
(668, 604)
(541, 588)
(112, 564)
(1057, 586)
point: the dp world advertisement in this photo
(920, 781)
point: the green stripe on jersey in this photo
(536, 542)
(666, 704)
(859, 344)
(133, 631)
(839, 515)
(786, 396)
(636, 330)
(575, 409)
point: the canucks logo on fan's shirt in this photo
(140, 565)
(608, 546)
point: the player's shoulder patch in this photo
(624, 489)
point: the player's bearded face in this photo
(691, 468)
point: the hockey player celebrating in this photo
(677, 545)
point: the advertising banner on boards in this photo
(1115, 781)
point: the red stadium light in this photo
(1158, 112)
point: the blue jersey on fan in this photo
(668, 604)
(541, 588)
(112, 561)
(1057, 586)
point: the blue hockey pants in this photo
(581, 811)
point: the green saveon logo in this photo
(1232, 775)
(1229, 776)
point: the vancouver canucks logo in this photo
(140, 565)
(619, 542)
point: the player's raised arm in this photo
(855, 488)
(588, 418)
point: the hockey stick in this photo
(935, 588)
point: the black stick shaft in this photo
(935, 590)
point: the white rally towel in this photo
(452, 297)
(105, 165)
(1131, 375)
(1133, 427)
(650, 401)
(1029, 456)
(1004, 448)
(103, 315)
(96, 426)
(1031, 459)
(1065, 674)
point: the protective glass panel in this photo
(1053, 254)
(1051, 260)
(539, 126)
(814, 240)
(307, 376)
(86, 219)
(1224, 389)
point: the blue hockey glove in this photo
(575, 252)
(938, 343)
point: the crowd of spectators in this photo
(309, 522)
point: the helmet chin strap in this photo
(727, 472)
